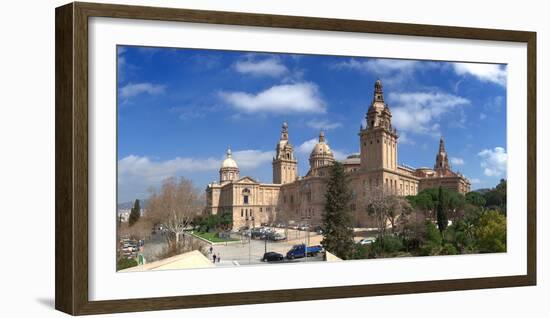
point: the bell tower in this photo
(379, 139)
(441, 160)
(285, 165)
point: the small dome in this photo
(321, 148)
(229, 162)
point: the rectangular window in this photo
(245, 199)
(242, 213)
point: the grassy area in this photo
(212, 237)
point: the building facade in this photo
(294, 199)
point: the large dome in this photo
(229, 162)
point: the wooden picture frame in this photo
(71, 122)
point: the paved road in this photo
(243, 253)
(247, 252)
(154, 247)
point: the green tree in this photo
(135, 213)
(425, 203)
(490, 232)
(442, 219)
(475, 198)
(337, 216)
(431, 244)
(496, 197)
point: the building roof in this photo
(353, 159)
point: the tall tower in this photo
(441, 160)
(379, 138)
(285, 166)
(229, 170)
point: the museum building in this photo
(294, 199)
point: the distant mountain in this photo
(482, 191)
(130, 204)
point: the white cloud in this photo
(131, 89)
(323, 124)
(495, 104)
(390, 71)
(493, 73)
(339, 155)
(404, 139)
(482, 116)
(250, 159)
(307, 146)
(474, 180)
(267, 67)
(286, 98)
(152, 171)
(457, 161)
(136, 174)
(417, 112)
(378, 66)
(494, 161)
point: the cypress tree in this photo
(337, 216)
(442, 220)
(135, 213)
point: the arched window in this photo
(246, 194)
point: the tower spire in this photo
(284, 131)
(378, 92)
(441, 145)
(285, 166)
(442, 160)
(321, 136)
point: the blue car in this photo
(300, 250)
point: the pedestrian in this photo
(219, 258)
(211, 249)
(214, 258)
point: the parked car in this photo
(273, 236)
(318, 229)
(303, 227)
(259, 232)
(367, 241)
(272, 257)
(301, 250)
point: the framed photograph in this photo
(250, 158)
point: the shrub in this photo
(432, 241)
(387, 244)
(448, 249)
(361, 251)
(490, 232)
(123, 263)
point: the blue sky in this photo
(179, 110)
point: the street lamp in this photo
(250, 241)
(306, 235)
